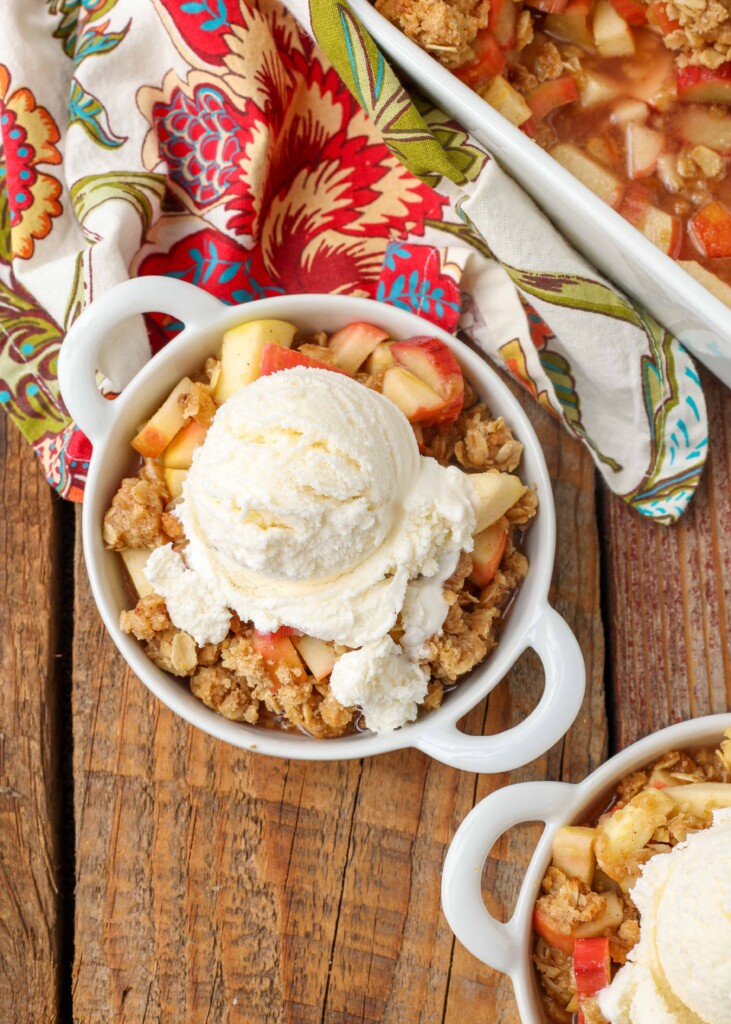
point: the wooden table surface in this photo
(149, 873)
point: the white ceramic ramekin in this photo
(675, 299)
(111, 426)
(507, 947)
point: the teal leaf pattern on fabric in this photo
(86, 111)
(663, 495)
(97, 41)
(216, 18)
(68, 12)
(209, 264)
(29, 342)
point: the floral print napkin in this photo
(212, 140)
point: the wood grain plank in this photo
(29, 782)
(219, 885)
(669, 598)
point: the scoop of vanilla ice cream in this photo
(309, 505)
(680, 970)
(381, 680)
(300, 476)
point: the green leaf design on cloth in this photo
(558, 371)
(77, 295)
(29, 344)
(68, 11)
(96, 41)
(6, 249)
(370, 79)
(86, 111)
(659, 371)
(575, 292)
(138, 189)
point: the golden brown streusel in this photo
(135, 518)
(226, 693)
(198, 404)
(445, 28)
(555, 970)
(148, 617)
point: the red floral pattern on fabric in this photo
(204, 24)
(419, 279)
(28, 135)
(203, 139)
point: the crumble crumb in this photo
(135, 518)
(198, 403)
(444, 28)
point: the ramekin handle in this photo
(80, 352)
(565, 672)
(494, 943)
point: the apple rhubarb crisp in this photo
(632, 97)
(586, 922)
(281, 678)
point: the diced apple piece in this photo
(241, 353)
(317, 655)
(416, 400)
(700, 797)
(550, 95)
(702, 85)
(702, 126)
(495, 493)
(487, 552)
(637, 201)
(179, 453)
(352, 345)
(572, 25)
(280, 657)
(628, 829)
(612, 35)
(714, 284)
(653, 82)
(135, 560)
(644, 146)
(433, 362)
(275, 358)
(319, 352)
(596, 89)
(548, 931)
(663, 230)
(573, 852)
(632, 12)
(611, 917)
(710, 229)
(628, 111)
(601, 181)
(174, 481)
(161, 428)
(501, 95)
(381, 358)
